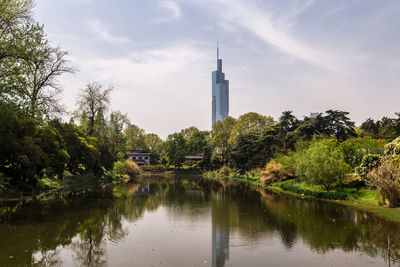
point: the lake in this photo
(194, 222)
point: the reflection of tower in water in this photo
(220, 230)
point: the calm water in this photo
(194, 222)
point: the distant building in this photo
(314, 115)
(220, 93)
(139, 156)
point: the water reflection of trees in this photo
(85, 224)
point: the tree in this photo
(338, 125)
(287, 122)
(188, 132)
(370, 128)
(354, 149)
(117, 123)
(29, 65)
(197, 143)
(135, 138)
(154, 143)
(389, 128)
(92, 100)
(175, 149)
(13, 15)
(250, 122)
(322, 164)
(245, 155)
(41, 66)
(219, 138)
(56, 156)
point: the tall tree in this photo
(135, 138)
(370, 128)
(188, 132)
(41, 66)
(91, 100)
(250, 122)
(13, 15)
(219, 138)
(29, 65)
(338, 124)
(117, 123)
(154, 143)
(175, 149)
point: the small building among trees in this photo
(139, 156)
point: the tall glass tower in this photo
(220, 93)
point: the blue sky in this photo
(305, 56)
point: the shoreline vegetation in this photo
(362, 198)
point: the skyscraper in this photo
(220, 93)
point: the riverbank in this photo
(364, 203)
(359, 197)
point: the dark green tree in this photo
(175, 149)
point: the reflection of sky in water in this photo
(196, 223)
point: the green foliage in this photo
(92, 101)
(175, 149)
(368, 163)
(123, 168)
(275, 172)
(116, 138)
(250, 123)
(135, 138)
(322, 164)
(386, 128)
(393, 148)
(219, 139)
(355, 149)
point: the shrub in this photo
(124, 168)
(386, 178)
(367, 164)
(224, 172)
(275, 172)
(393, 149)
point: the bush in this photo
(275, 172)
(123, 168)
(386, 178)
(393, 149)
(368, 163)
(224, 172)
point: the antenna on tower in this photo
(217, 51)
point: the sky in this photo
(299, 55)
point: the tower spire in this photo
(217, 51)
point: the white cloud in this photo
(173, 8)
(274, 29)
(104, 32)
